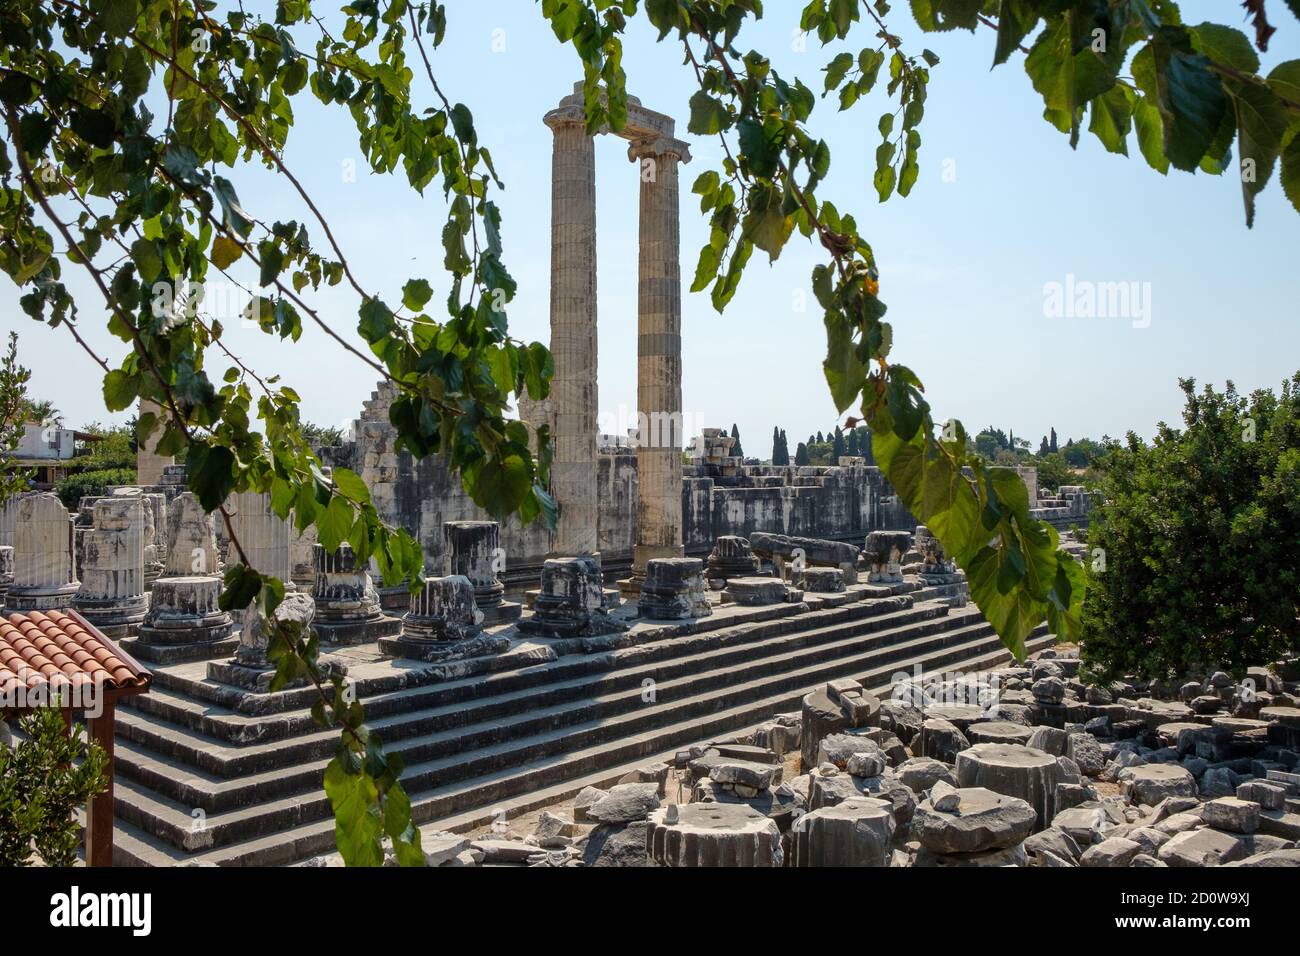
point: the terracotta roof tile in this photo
(40, 647)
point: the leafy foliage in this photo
(1198, 535)
(72, 488)
(13, 417)
(44, 777)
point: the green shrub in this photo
(75, 486)
(1198, 533)
(41, 786)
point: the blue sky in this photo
(963, 262)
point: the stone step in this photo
(177, 777)
(540, 782)
(465, 779)
(544, 702)
(744, 641)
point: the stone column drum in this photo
(112, 594)
(884, 555)
(673, 590)
(471, 548)
(444, 611)
(571, 602)
(443, 622)
(731, 557)
(660, 435)
(573, 327)
(184, 621)
(44, 568)
(191, 542)
(347, 605)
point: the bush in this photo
(74, 487)
(41, 788)
(1199, 533)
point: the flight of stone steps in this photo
(207, 773)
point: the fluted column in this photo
(573, 329)
(660, 435)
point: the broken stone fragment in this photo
(1231, 814)
(586, 797)
(985, 821)
(921, 773)
(1205, 847)
(944, 797)
(1152, 783)
(1113, 851)
(625, 803)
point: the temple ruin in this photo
(789, 672)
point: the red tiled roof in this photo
(36, 646)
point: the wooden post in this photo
(99, 816)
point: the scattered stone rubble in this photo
(1044, 771)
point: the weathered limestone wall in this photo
(811, 501)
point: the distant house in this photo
(47, 449)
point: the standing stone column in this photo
(265, 542)
(45, 572)
(185, 621)
(149, 464)
(262, 535)
(573, 327)
(471, 548)
(660, 430)
(9, 520)
(112, 580)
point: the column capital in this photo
(659, 146)
(563, 116)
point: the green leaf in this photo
(708, 115)
(120, 390)
(416, 293)
(1291, 167)
(236, 220)
(943, 15)
(1065, 79)
(358, 827)
(333, 523)
(766, 224)
(1261, 124)
(836, 70)
(1150, 134)
(1225, 45)
(225, 251)
(1112, 117)
(1191, 100)
(1284, 80)
(1015, 20)
(845, 374)
(211, 471)
(760, 152)
(349, 483)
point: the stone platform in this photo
(528, 724)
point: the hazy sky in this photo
(964, 260)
